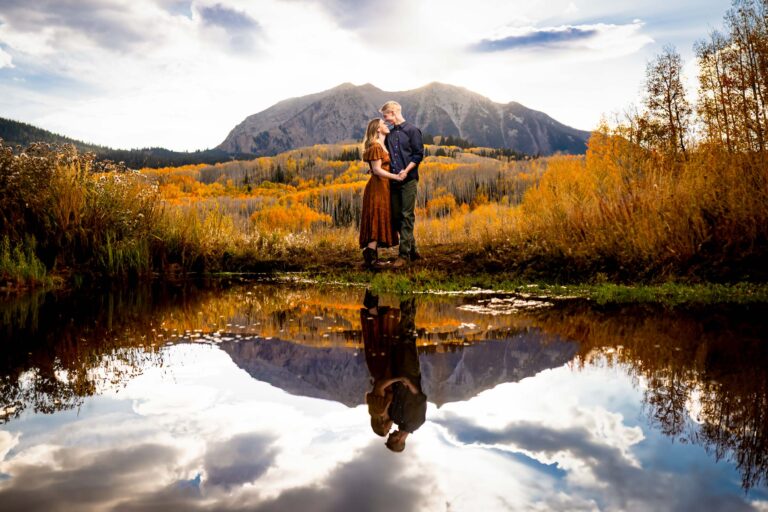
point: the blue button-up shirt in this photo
(405, 145)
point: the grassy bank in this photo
(617, 215)
(432, 281)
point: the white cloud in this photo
(5, 59)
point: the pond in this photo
(233, 394)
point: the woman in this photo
(379, 326)
(376, 228)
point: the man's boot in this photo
(400, 262)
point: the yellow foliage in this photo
(291, 218)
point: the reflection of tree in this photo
(706, 372)
(57, 350)
(734, 404)
(666, 397)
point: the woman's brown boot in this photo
(370, 257)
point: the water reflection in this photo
(235, 395)
(704, 372)
(389, 339)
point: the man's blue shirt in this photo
(405, 145)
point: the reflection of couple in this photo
(388, 208)
(389, 336)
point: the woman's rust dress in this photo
(376, 218)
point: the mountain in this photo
(15, 133)
(343, 112)
(341, 374)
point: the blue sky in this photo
(182, 73)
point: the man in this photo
(406, 151)
(408, 409)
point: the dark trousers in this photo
(403, 202)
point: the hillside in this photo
(16, 133)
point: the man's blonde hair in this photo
(391, 106)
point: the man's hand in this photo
(402, 174)
(411, 387)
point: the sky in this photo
(182, 73)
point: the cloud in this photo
(536, 38)
(227, 18)
(177, 7)
(106, 23)
(5, 59)
(237, 27)
(239, 460)
(360, 14)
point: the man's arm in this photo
(417, 149)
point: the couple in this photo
(389, 199)
(396, 397)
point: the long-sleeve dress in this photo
(376, 218)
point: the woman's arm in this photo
(407, 382)
(384, 384)
(379, 171)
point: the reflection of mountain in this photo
(460, 375)
(331, 373)
(340, 374)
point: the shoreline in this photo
(417, 281)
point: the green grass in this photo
(20, 265)
(670, 293)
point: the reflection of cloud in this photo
(614, 475)
(137, 479)
(241, 459)
(106, 475)
(552, 444)
(249, 446)
(7, 442)
(373, 481)
(536, 38)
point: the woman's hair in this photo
(371, 133)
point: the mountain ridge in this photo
(19, 133)
(342, 112)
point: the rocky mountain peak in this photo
(341, 114)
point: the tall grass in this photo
(20, 265)
(626, 211)
(621, 212)
(61, 210)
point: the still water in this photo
(265, 396)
